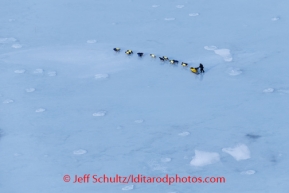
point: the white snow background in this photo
(71, 105)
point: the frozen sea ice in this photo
(170, 18)
(101, 76)
(38, 71)
(91, 41)
(225, 54)
(79, 152)
(139, 121)
(30, 89)
(248, 172)
(239, 152)
(130, 187)
(99, 114)
(268, 90)
(183, 134)
(234, 71)
(203, 158)
(8, 101)
(19, 71)
(193, 14)
(51, 73)
(40, 110)
(16, 46)
(180, 6)
(165, 160)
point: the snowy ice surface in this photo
(91, 41)
(234, 71)
(38, 71)
(240, 152)
(101, 76)
(210, 47)
(275, 18)
(166, 159)
(79, 152)
(170, 18)
(16, 46)
(30, 89)
(203, 158)
(268, 90)
(7, 40)
(225, 54)
(155, 6)
(180, 6)
(51, 73)
(58, 66)
(19, 71)
(139, 121)
(283, 91)
(40, 110)
(99, 114)
(185, 133)
(248, 172)
(194, 14)
(8, 101)
(129, 187)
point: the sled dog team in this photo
(164, 58)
